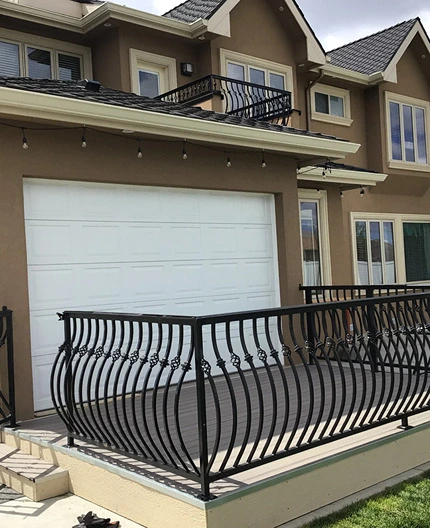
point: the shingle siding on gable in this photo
(374, 53)
(194, 9)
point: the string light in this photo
(184, 152)
(341, 193)
(319, 191)
(361, 192)
(139, 152)
(228, 164)
(263, 160)
(83, 140)
(24, 140)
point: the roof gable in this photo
(379, 52)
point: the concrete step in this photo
(31, 476)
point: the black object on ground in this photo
(91, 520)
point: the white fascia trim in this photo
(219, 22)
(340, 176)
(47, 108)
(341, 73)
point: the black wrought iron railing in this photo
(322, 294)
(240, 98)
(209, 397)
(7, 394)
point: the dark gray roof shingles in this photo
(374, 53)
(72, 89)
(192, 10)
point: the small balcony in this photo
(238, 98)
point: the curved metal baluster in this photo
(272, 384)
(186, 367)
(153, 360)
(174, 365)
(163, 363)
(423, 372)
(284, 384)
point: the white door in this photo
(141, 249)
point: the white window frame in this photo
(249, 61)
(319, 197)
(415, 103)
(399, 248)
(55, 47)
(165, 67)
(329, 118)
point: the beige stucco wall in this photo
(59, 155)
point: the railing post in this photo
(372, 329)
(68, 388)
(310, 324)
(201, 410)
(10, 367)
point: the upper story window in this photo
(23, 55)
(151, 74)
(330, 104)
(254, 70)
(407, 132)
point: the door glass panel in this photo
(416, 239)
(311, 244)
(257, 76)
(277, 81)
(69, 67)
(396, 140)
(362, 259)
(235, 71)
(390, 264)
(408, 128)
(149, 83)
(9, 59)
(375, 246)
(336, 106)
(39, 63)
(321, 103)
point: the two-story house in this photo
(221, 158)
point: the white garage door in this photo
(142, 249)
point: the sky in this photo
(335, 22)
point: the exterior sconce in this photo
(187, 69)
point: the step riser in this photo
(35, 491)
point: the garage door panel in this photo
(134, 249)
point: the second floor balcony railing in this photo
(240, 98)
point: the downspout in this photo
(308, 99)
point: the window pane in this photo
(236, 71)
(311, 243)
(277, 81)
(390, 265)
(69, 67)
(408, 132)
(9, 59)
(375, 247)
(421, 135)
(417, 251)
(148, 83)
(336, 106)
(39, 63)
(396, 142)
(321, 103)
(257, 76)
(362, 260)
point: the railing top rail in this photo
(226, 79)
(363, 287)
(244, 315)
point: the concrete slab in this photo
(59, 512)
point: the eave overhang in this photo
(341, 176)
(24, 105)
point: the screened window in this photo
(149, 83)
(408, 133)
(38, 63)
(416, 239)
(375, 261)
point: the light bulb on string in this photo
(263, 160)
(362, 193)
(83, 139)
(24, 140)
(184, 152)
(341, 193)
(228, 164)
(139, 152)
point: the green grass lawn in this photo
(407, 505)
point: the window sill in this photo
(335, 120)
(408, 166)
